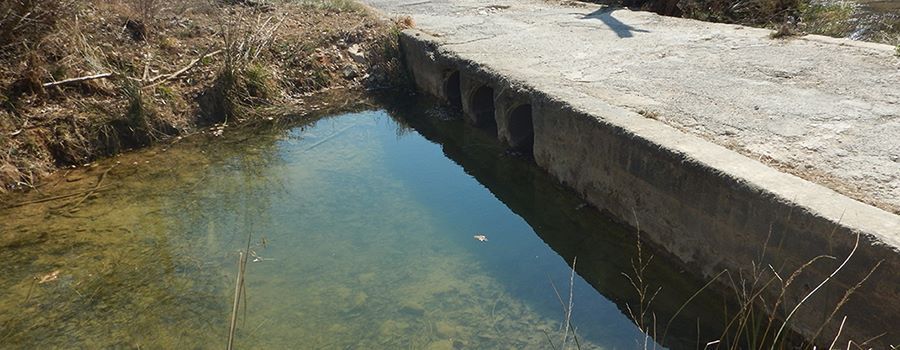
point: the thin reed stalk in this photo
(238, 288)
(565, 339)
(239, 291)
(802, 301)
(683, 305)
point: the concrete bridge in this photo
(730, 149)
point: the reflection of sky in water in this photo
(369, 245)
(394, 206)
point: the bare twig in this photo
(329, 137)
(99, 183)
(555, 290)
(146, 72)
(549, 340)
(63, 196)
(79, 79)
(28, 296)
(159, 79)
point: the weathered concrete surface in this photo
(625, 104)
(826, 110)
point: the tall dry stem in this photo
(239, 291)
(642, 288)
(802, 301)
(568, 309)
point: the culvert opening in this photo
(483, 108)
(452, 90)
(521, 129)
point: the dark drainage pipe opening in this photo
(452, 91)
(521, 129)
(483, 108)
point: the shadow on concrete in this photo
(621, 29)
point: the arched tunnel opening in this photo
(453, 91)
(521, 129)
(483, 108)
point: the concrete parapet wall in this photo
(710, 207)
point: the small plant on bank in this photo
(827, 18)
(334, 5)
(136, 127)
(785, 30)
(386, 57)
(260, 83)
(243, 82)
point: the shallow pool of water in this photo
(362, 237)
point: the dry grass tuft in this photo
(766, 302)
(405, 22)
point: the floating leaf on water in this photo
(257, 258)
(53, 276)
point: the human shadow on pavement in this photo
(621, 29)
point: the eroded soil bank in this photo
(87, 79)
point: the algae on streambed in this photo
(363, 233)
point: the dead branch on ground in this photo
(159, 79)
(79, 79)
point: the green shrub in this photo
(333, 5)
(750, 12)
(136, 128)
(259, 83)
(833, 19)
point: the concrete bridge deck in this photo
(694, 128)
(825, 110)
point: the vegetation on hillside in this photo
(85, 79)
(836, 18)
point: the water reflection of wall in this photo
(605, 250)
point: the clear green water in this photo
(364, 229)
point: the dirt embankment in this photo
(86, 79)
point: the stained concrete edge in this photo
(805, 195)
